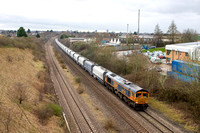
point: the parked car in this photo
(158, 69)
(161, 56)
(155, 60)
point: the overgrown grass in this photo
(172, 113)
(25, 43)
(45, 112)
(162, 107)
(154, 49)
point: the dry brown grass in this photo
(177, 115)
(94, 109)
(17, 66)
(60, 59)
(109, 125)
(80, 89)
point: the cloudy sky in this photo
(99, 14)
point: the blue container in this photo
(104, 41)
(181, 77)
(186, 68)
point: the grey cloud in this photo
(186, 14)
(181, 6)
(12, 21)
(165, 6)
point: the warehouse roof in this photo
(184, 47)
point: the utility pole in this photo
(127, 35)
(138, 22)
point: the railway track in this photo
(154, 122)
(130, 120)
(80, 119)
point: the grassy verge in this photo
(154, 49)
(172, 113)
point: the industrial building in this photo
(183, 51)
(110, 42)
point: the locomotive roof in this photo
(125, 83)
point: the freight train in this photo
(132, 94)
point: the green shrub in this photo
(47, 111)
(21, 32)
(38, 35)
(56, 109)
(44, 113)
(63, 36)
(77, 79)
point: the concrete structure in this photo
(79, 39)
(183, 51)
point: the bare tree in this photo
(20, 92)
(6, 120)
(172, 32)
(189, 35)
(3, 85)
(158, 34)
(131, 39)
(1, 96)
(99, 37)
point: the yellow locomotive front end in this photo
(141, 99)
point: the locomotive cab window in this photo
(138, 95)
(145, 95)
(109, 80)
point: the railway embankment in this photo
(27, 102)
